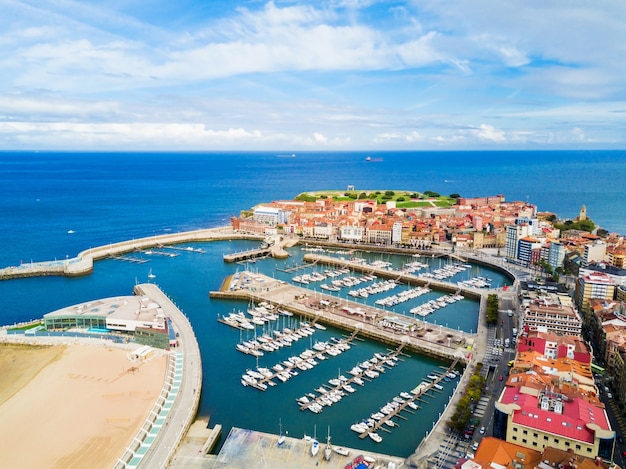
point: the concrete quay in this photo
(423, 338)
(83, 263)
(401, 277)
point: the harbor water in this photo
(188, 276)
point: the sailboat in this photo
(328, 449)
(315, 445)
(150, 274)
(281, 437)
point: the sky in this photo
(320, 75)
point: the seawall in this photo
(83, 263)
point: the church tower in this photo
(583, 213)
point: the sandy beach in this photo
(73, 406)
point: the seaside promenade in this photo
(184, 407)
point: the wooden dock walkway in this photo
(342, 383)
(403, 406)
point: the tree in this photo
(362, 195)
(455, 196)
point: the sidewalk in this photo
(431, 444)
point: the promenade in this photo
(185, 406)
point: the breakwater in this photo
(83, 263)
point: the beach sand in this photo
(73, 406)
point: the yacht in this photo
(358, 427)
(328, 449)
(281, 438)
(315, 447)
(375, 436)
(341, 451)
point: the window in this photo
(535, 435)
(545, 437)
(514, 438)
(534, 443)
(524, 440)
(525, 432)
(515, 429)
(578, 447)
(556, 441)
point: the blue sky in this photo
(321, 75)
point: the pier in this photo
(83, 263)
(423, 338)
(416, 394)
(247, 255)
(341, 386)
(136, 260)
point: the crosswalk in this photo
(454, 446)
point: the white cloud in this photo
(329, 74)
(488, 132)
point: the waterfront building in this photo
(513, 234)
(138, 316)
(249, 225)
(551, 314)
(538, 412)
(270, 215)
(352, 233)
(525, 247)
(556, 254)
(379, 233)
(323, 230)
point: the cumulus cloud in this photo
(488, 132)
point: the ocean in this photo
(55, 205)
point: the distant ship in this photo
(368, 158)
(293, 155)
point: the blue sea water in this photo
(110, 197)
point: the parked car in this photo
(482, 430)
(500, 378)
(475, 446)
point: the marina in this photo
(328, 315)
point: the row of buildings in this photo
(519, 232)
(550, 413)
